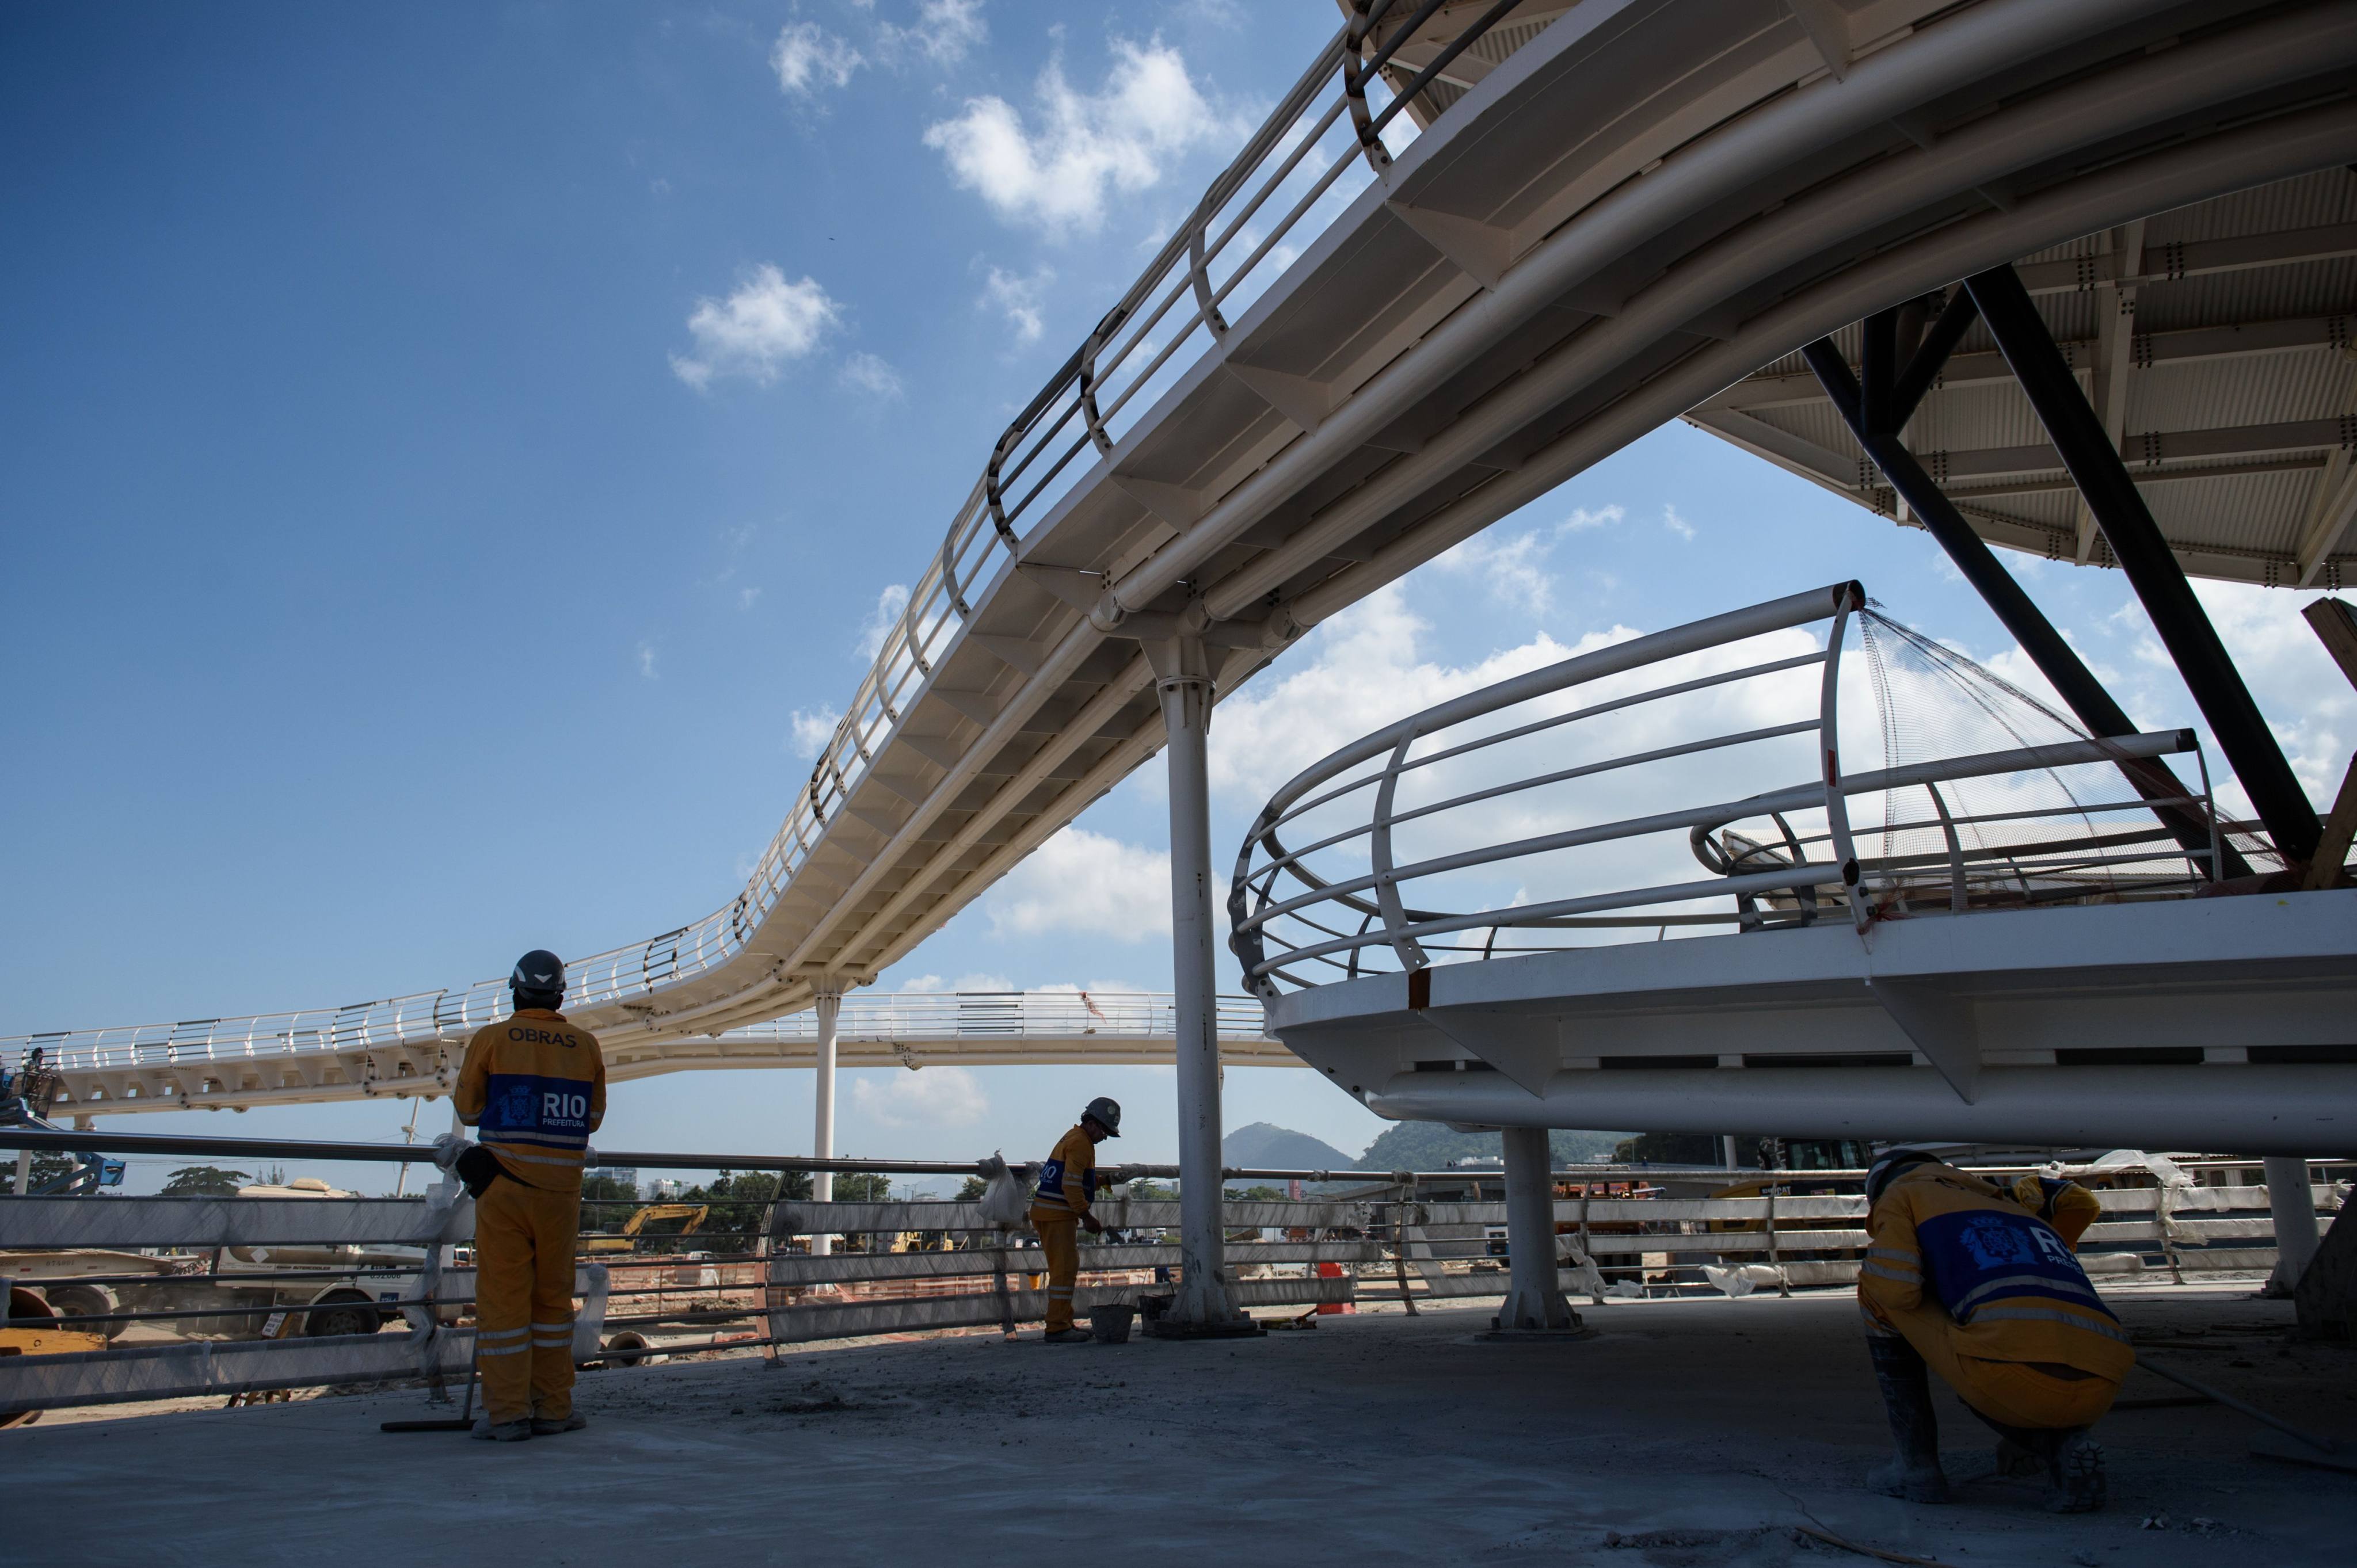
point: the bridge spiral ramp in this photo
(1360, 348)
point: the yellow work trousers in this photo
(1060, 1238)
(524, 1238)
(2012, 1394)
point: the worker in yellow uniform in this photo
(1983, 1284)
(534, 1088)
(1068, 1184)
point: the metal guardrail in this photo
(203, 1043)
(1303, 155)
(212, 1296)
(1423, 801)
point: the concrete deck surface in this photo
(1687, 1433)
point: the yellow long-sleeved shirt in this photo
(2006, 1277)
(1068, 1182)
(534, 1087)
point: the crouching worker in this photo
(1068, 1184)
(1982, 1284)
(534, 1087)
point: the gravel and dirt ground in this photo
(1698, 1431)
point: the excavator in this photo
(694, 1213)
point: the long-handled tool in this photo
(2306, 1447)
(465, 1420)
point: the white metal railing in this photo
(170, 1297)
(865, 1015)
(1303, 159)
(1573, 814)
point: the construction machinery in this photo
(627, 1241)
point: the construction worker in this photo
(1983, 1284)
(1068, 1184)
(535, 1086)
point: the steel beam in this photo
(2137, 544)
(2055, 658)
(1534, 1299)
(826, 996)
(1183, 680)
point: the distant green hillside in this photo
(1269, 1147)
(1431, 1145)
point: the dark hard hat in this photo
(1893, 1160)
(1106, 1114)
(539, 971)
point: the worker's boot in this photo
(2075, 1474)
(543, 1427)
(505, 1432)
(2072, 1461)
(1913, 1474)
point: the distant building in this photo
(627, 1175)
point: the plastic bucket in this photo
(1110, 1325)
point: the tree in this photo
(973, 1188)
(1430, 1147)
(204, 1181)
(1679, 1149)
(48, 1166)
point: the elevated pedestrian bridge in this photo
(1473, 251)
(411, 1047)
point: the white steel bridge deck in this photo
(1352, 356)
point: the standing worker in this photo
(1983, 1282)
(534, 1085)
(1068, 1184)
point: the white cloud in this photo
(647, 660)
(1582, 518)
(870, 374)
(1367, 671)
(1057, 170)
(881, 620)
(813, 729)
(929, 1097)
(944, 31)
(807, 57)
(1674, 523)
(1082, 881)
(1017, 300)
(745, 598)
(754, 330)
(971, 981)
(1513, 570)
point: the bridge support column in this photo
(828, 996)
(2292, 1205)
(1533, 1300)
(1182, 673)
(23, 1172)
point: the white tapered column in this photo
(1184, 680)
(2292, 1203)
(828, 994)
(1533, 1300)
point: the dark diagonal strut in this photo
(1875, 414)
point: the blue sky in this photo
(446, 450)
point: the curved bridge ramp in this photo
(298, 1058)
(1360, 349)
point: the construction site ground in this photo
(1686, 1432)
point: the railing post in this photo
(827, 993)
(1848, 597)
(2291, 1202)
